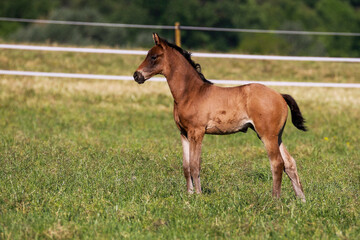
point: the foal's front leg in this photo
(195, 139)
(186, 163)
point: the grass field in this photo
(86, 159)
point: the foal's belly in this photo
(219, 126)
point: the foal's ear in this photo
(156, 38)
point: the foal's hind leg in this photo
(276, 163)
(290, 169)
(186, 163)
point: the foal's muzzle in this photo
(138, 77)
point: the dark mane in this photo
(187, 56)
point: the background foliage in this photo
(314, 15)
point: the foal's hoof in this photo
(301, 195)
(190, 191)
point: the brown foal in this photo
(203, 108)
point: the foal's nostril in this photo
(139, 78)
(136, 76)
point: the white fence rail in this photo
(159, 79)
(209, 55)
(195, 54)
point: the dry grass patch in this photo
(61, 231)
(74, 86)
(336, 98)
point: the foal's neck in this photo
(182, 78)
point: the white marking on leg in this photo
(186, 162)
(291, 171)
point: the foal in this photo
(203, 108)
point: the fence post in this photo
(177, 34)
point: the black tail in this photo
(296, 117)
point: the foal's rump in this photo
(267, 109)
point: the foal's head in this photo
(158, 62)
(153, 63)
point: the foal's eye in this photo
(153, 57)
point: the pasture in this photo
(88, 159)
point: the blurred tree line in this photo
(302, 15)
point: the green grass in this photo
(93, 159)
(102, 159)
